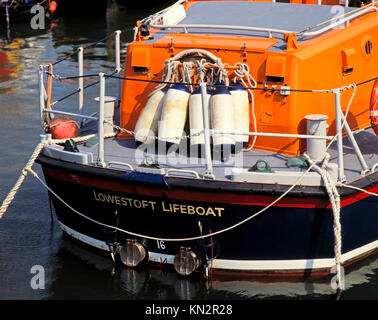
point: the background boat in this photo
(19, 10)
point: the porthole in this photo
(367, 48)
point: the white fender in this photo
(146, 128)
(174, 113)
(222, 116)
(196, 116)
(241, 112)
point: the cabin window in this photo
(275, 79)
(367, 47)
(140, 69)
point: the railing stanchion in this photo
(80, 80)
(100, 160)
(41, 93)
(356, 148)
(206, 126)
(118, 62)
(340, 156)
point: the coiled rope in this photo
(241, 73)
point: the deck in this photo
(178, 157)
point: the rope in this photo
(334, 197)
(77, 90)
(12, 193)
(333, 194)
(80, 139)
(8, 200)
(164, 83)
(241, 73)
(172, 239)
(339, 184)
(93, 44)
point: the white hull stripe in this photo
(374, 113)
(243, 265)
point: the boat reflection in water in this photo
(10, 63)
(118, 281)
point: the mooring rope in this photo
(12, 193)
(173, 239)
(334, 197)
(339, 184)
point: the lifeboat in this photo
(288, 207)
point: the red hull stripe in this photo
(223, 197)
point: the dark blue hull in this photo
(293, 237)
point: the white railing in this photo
(80, 91)
(340, 121)
(340, 118)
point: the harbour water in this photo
(30, 237)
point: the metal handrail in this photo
(192, 172)
(268, 30)
(123, 164)
(337, 22)
(44, 110)
(211, 26)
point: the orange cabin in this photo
(303, 58)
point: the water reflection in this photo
(119, 282)
(10, 64)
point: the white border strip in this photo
(88, 240)
(243, 265)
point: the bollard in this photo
(316, 126)
(109, 106)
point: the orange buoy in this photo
(52, 6)
(63, 127)
(374, 107)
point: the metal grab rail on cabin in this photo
(339, 20)
(210, 26)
